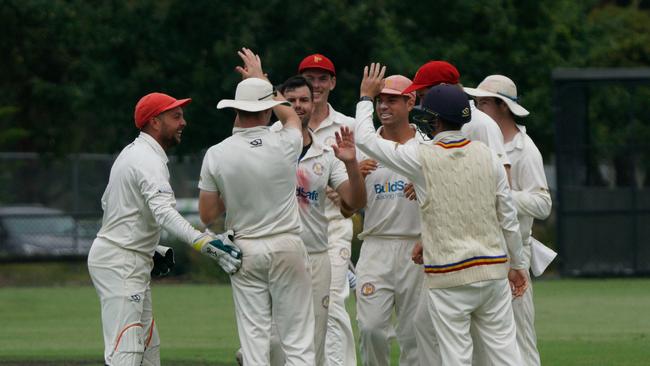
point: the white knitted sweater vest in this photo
(462, 239)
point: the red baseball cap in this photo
(317, 61)
(154, 104)
(433, 73)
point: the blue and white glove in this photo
(220, 248)
(352, 277)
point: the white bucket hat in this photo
(499, 86)
(252, 95)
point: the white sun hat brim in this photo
(515, 108)
(249, 105)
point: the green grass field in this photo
(579, 322)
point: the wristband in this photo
(366, 98)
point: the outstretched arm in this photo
(353, 191)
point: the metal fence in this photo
(50, 208)
(603, 170)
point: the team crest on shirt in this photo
(345, 253)
(367, 289)
(317, 168)
(330, 141)
(325, 301)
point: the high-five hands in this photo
(373, 80)
(252, 65)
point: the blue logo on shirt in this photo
(390, 187)
(307, 195)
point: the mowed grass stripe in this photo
(579, 322)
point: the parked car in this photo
(42, 231)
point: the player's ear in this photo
(333, 83)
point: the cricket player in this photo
(138, 203)
(252, 175)
(324, 122)
(389, 280)
(481, 127)
(467, 221)
(496, 95)
(319, 167)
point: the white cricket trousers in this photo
(121, 278)
(339, 343)
(320, 282)
(387, 280)
(523, 309)
(272, 285)
(484, 305)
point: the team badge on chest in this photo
(317, 168)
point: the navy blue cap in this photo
(448, 102)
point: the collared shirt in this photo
(325, 136)
(405, 160)
(318, 169)
(139, 201)
(483, 128)
(254, 170)
(529, 187)
(388, 213)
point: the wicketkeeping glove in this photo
(163, 261)
(220, 248)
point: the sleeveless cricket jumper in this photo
(388, 279)
(254, 171)
(459, 184)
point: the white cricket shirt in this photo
(483, 128)
(138, 200)
(405, 160)
(529, 187)
(388, 213)
(318, 169)
(325, 136)
(254, 170)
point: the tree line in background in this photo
(72, 71)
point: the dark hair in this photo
(296, 82)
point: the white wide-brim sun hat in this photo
(499, 86)
(252, 95)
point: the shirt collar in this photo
(330, 120)
(315, 149)
(446, 136)
(155, 146)
(519, 139)
(249, 130)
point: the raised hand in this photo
(373, 80)
(252, 65)
(344, 149)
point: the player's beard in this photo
(170, 137)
